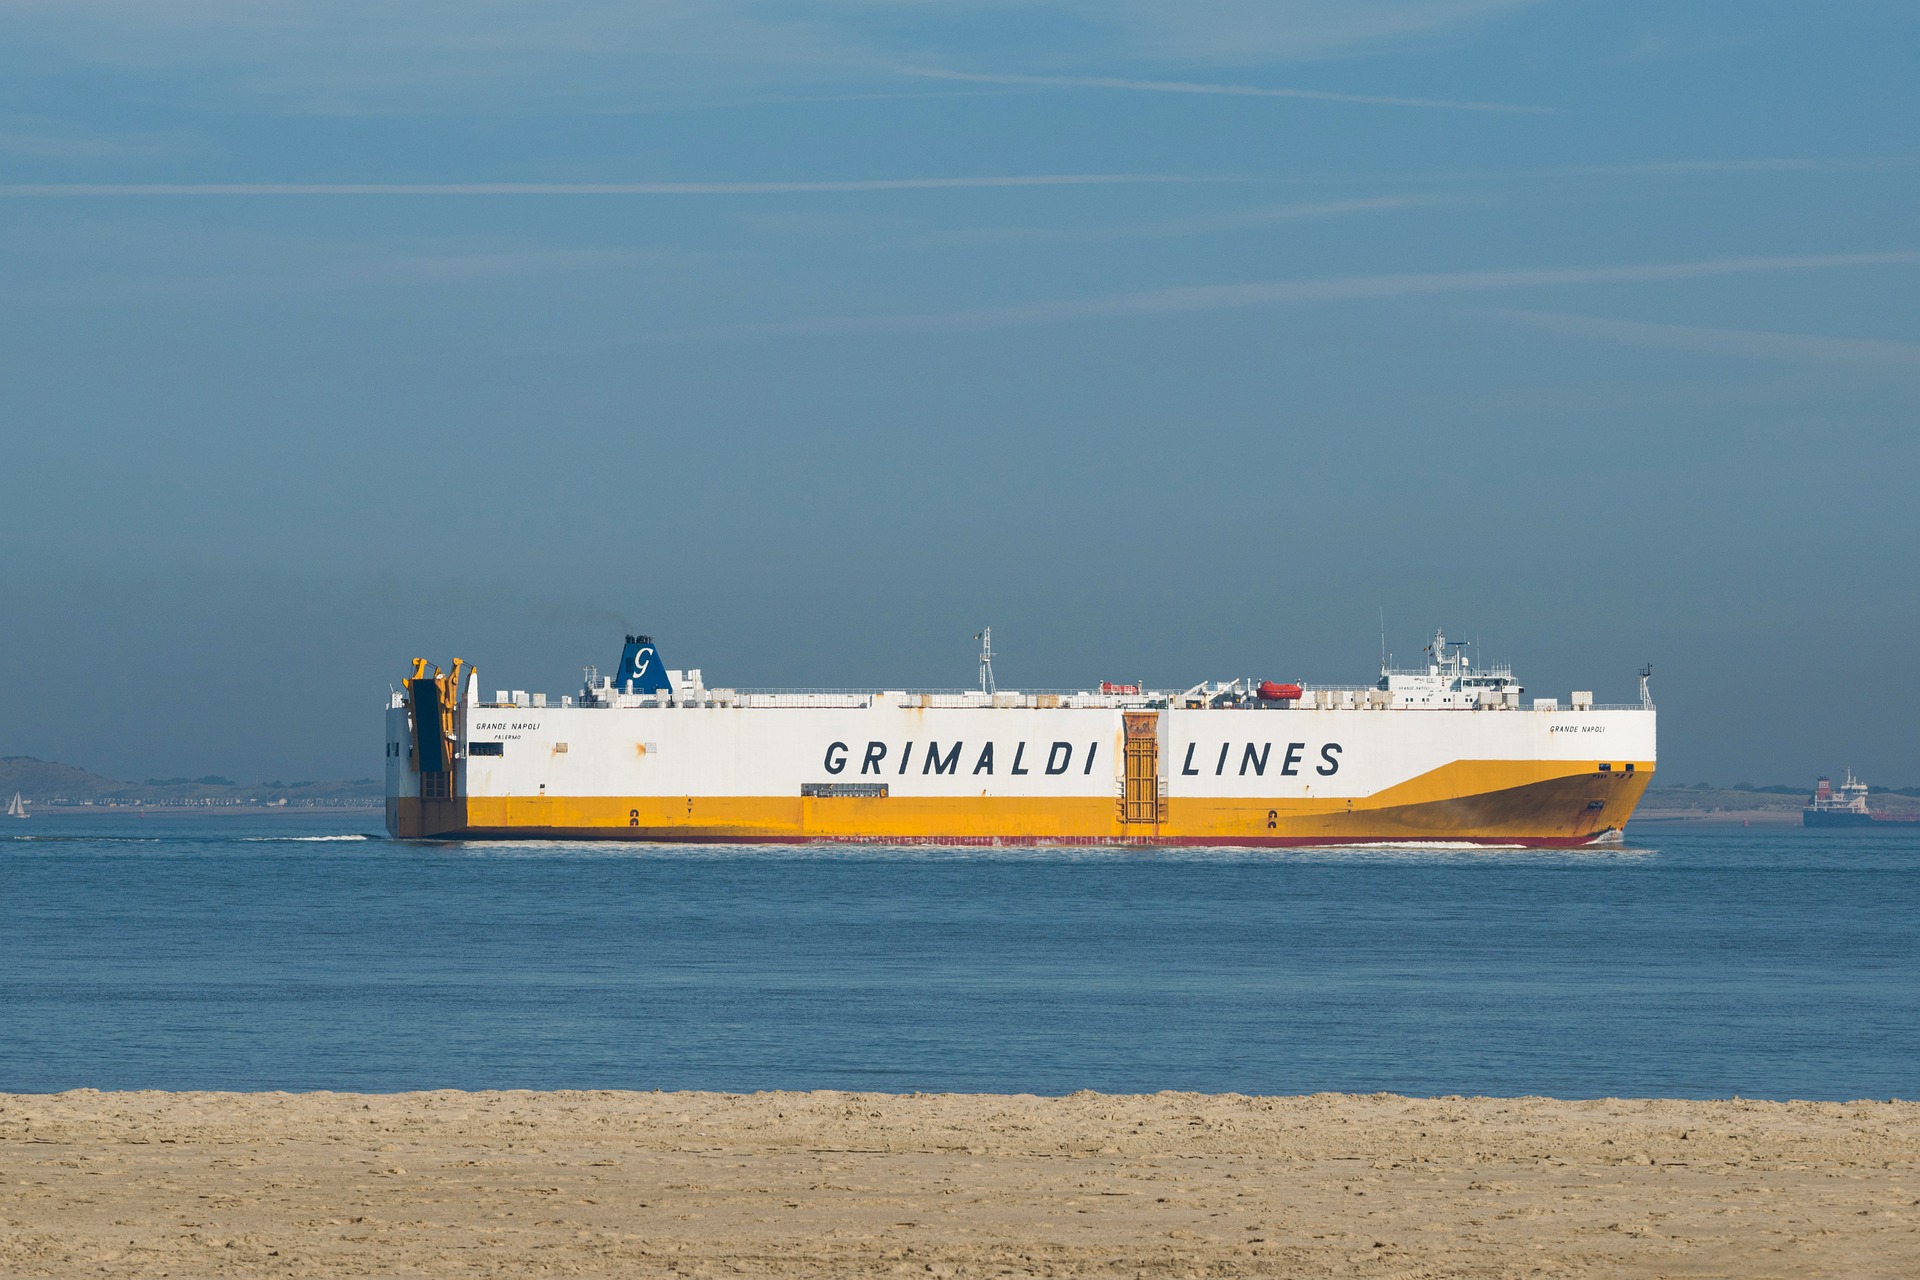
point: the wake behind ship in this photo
(1445, 752)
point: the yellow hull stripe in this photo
(1465, 800)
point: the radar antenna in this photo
(985, 637)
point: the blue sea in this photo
(310, 952)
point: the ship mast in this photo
(985, 637)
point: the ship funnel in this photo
(640, 670)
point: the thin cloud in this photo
(1225, 90)
(367, 56)
(1752, 344)
(1759, 166)
(452, 268)
(51, 146)
(41, 190)
(1222, 297)
(1764, 164)
(1168, 228)
(222, 262)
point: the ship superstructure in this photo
(1442, 752)
(1845, 805)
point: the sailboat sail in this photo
(16, 807)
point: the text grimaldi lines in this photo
(1287, 759)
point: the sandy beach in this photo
(804, 1184)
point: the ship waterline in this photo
(1446, 754)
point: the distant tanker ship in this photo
(1443, 752)
(1845, 806)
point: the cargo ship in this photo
(1443, 752)
(1846, 806)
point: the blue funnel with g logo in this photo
(640, 670)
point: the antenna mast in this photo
(1646, 695)
(985, 637)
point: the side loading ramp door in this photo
(1140, 791)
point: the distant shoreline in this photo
(1644, 818)
(1666, 818)
(205, 810)
(1715, 817)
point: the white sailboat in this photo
(16, 807)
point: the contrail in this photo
(1748, 343)
(64, 189)
(1200, 224)
(1219, 297)
(1227, 90)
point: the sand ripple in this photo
(805, 1184)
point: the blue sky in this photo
(1172, 340)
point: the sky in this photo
(1174, 341)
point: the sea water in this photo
(302, 951)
